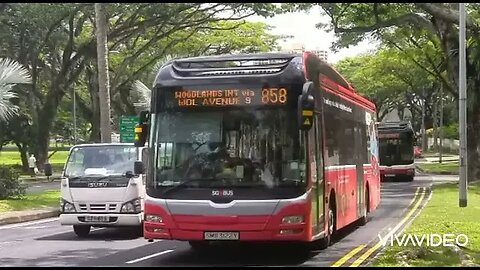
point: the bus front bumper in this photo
(104, 220)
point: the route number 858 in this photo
(274, 95)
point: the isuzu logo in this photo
(97, 184)
(222, 192)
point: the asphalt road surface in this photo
(47, 243)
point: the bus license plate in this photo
(389, 175)
(97, 219)
(221, 235)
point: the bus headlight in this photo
(153, 218)
(292, 219)
(67, 207)
(133, 206)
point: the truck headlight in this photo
(67, 207)
(133, 206)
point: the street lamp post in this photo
(462, 78)
(74, 116)
(441, 124)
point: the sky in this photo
(301, 25)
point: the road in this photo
(47, 243)
(35, 187)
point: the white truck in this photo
(99, 188)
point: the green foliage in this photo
(449, 131)
(11, 73)
(48, 198)
(10, 186)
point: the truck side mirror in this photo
(138, 167)
(306, 107)
(48, 169)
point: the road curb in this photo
(29, 217)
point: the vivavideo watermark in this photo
(426, 240)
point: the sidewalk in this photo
(39, 178)
(435, 159)
(28, 215)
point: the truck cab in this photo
(99, 187)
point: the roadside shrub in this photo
(10, 185)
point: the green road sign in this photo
(127, 128)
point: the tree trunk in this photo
(473, 143)
(103, 78)
(47, 117)
(23, 155)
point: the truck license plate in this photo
(97, 219)
(222, 235)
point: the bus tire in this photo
(364, 218)
(81, 230)
(332, 221)
(410, 178)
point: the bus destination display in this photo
(230, 97)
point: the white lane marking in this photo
(23, 224)
(150, 256)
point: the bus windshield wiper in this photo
(188, 181)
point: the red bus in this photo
(396, 148)
(256, 147)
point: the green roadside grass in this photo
(48, 198)
(439, 168)
(441, 215)
(11, 158)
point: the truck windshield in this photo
(230, 148)
(396, 151)
(92, 161)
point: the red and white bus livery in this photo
(256, 147)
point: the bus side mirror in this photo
(306, 107)
(138, 167)
(141, 129)
(48, 169)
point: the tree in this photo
(437, 22)
(103, 78)
(11, 73)
(392, 81)
(56, 43)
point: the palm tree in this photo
(140, 93)
(11, 74)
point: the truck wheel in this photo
(81, 230)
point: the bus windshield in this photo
(396, 151)
(247, 147)
(104, 160)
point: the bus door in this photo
(315, 157)
(359, 159)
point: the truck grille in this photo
(97, 207)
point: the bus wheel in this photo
(81, 230)
(331, 224)
(332, 218)
(410, 178)
(366, 209)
